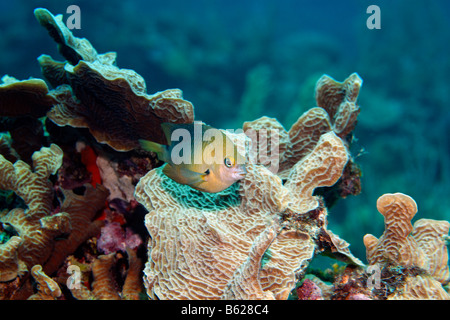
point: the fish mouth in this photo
(241, 175)
(241, 172)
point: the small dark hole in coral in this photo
(79, 190)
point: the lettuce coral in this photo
(94, 93)
(47, 288)
(40, 234)
(72, 48)
(421, 249)
(35, 226)
(336, 111)
(104, 286)
(211, 246)
(24, 98)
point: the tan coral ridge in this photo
(421, 247)
(250, 241)
(104, 287)
(103, 284)
(35, 226)
(37, 230)
(337, 110)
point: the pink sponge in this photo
(113, 238)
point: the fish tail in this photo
(157, 148)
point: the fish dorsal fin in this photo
(159, 149)
(167, 129)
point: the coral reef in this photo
(420, 250)
(104, 286)
(26, 97)
(47, 289)
(37, 226)
(211, 246)
(94, 93)
(337, 111)
(75, 188)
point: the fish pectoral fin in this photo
(188, 177)
(193, 177)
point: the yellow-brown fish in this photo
(199, 156)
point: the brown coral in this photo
(420, 288)
(112, 102)
(265, 149)
(82, 210)
(72, 48)
(304, 135)
(324, 168)
(36, 229)
(246, 281)
(395, 244)
(339, 100)
(420, 247)
(430, 235)
(248, 241)
(48, 289)
(11, 265)
(24, 98)
(27, 135)
(104, 286)
(337, 111)
(35, 226)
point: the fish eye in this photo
(207, 171)
(229, 162)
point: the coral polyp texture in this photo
(420, 249)
(104, 286)
(82, 210)
(35, 226)
(47, 288)
(250, 241)
(337, 111)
